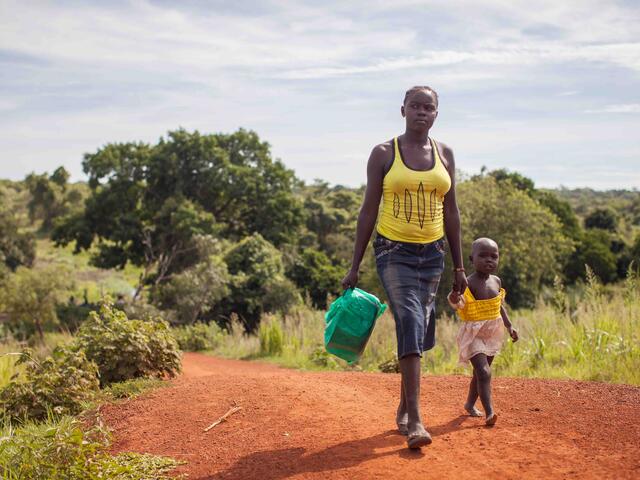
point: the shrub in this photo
(60, 383)
(59, 449)
(258, 284)
(30, 298)
(125, 349)
(271, 338)
(197, 337)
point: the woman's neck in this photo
(414, 137)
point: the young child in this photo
(480, 336)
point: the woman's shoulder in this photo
(446, 153)
(385, 147)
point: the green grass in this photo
(62, 448)
(9, 350)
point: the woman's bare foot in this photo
(491, 420)
(418, 436)
(402, 421)
(472, 410)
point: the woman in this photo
(415, 176)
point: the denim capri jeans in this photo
(410, 274)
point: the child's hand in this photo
(513, 333)
(455, 300)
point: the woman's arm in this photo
(452, 223)
(369, 210)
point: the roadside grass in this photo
(597, 339)
(63, 448)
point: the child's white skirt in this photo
(479, 337)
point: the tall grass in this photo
(594, 335)
(9, 348)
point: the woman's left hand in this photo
(459, 282)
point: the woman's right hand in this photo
(350, 280)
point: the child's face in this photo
(485, 258)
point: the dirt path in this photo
(302, 425)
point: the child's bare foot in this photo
(472, 410)
(491, 420)
(418, 436)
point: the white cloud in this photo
(624, 108)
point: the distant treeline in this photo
(219, 228)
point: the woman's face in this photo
(420, 110)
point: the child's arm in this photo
(507, 324)
(513, 333)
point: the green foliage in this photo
(149, 202)
(561, 209)
(198, 337)
(258, 285)
(51, 197)
(517, 180)
(196, 291)
(532, 247)
(602, 218)
(59, 383)
(314, 274)
(271, 338)
(124, 349)
(60, 449)
(16, 247)
(70, 315)
(132, 388)
(30, 297)
(593, 250)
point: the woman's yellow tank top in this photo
(412, 200)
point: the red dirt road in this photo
(303, 425)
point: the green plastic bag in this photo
(349, 323)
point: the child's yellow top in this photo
(478, 310)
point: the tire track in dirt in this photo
(312, 425)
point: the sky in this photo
(550, 89)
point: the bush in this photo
(71, 316)
(60, 383)
(124, 349)
(258, 284)
(60, 449)
(198, 337)
(30, 298)
(271, 338)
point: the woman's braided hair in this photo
(413, 90)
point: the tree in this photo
(52, 197)
(519, 181)
(561, 209)
(197, 290)
(314, 274)
(30, 298)
(258, 284)
(594, 250)
(602, 218)
(16, 248)
(148, 202)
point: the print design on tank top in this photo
(408, 212)
(421, 203)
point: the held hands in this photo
(350, 280)
(459, 282)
